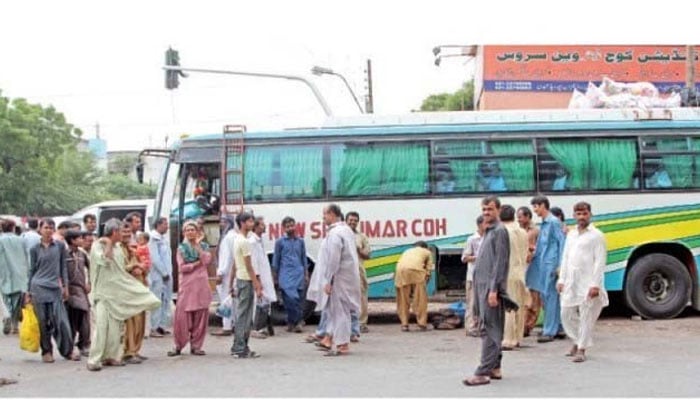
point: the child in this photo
(142, 252)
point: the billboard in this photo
(564, 68)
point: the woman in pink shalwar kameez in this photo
(193, 295)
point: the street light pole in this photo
(316, 70)
(314, 89)
(690, 70)
(464, 51)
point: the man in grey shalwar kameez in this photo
(340, 280)
(490, 292)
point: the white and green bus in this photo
(421, 177)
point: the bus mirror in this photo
(139, 171)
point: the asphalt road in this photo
(630, 358)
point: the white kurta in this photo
(340, 263)
(224, 270)
(261, 265)
(315, 291)
(583, 266)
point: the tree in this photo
(42, 172)
(123, 164)
(119, 186)
(462, 99)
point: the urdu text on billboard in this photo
(564, 68)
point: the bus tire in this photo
(657, 286)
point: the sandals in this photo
(249, 354)
(312, 339)
(322, 346)
(476, 380)
(335, 353)
(7, 381)
(579, 357)
(572, 352)
(113, 363)
(198, 352)
(404, 328)
(340, 350)
(173, 353)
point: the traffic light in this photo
(172, 77)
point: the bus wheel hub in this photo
(656, 287)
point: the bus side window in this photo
(379, 169)
(284, 172)
(586, 164)
(670, 162)
(480, 166)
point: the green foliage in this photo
(42, 171)
(462, 99)
(123, 164)
(121, 187)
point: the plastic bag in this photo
(29, 330)
(579, 100)
(645, 89)
(596, 98)
(225, 309)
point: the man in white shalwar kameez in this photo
(340, 280)
(580, 283)
(223, 272)
(262, 320)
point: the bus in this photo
(422, 176)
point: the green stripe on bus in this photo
(646, 211)
(619, 255)
(648, 222)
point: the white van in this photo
(117, 209)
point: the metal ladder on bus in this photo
(233, 174)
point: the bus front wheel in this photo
(657, 286)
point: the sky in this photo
(99, 62)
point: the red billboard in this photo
(563, 68)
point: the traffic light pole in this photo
(308, 83)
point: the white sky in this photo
(99, 61)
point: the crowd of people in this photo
(517, 269)
(100, 297)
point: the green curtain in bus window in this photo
(613, 163)
(465, 175)
(464, 171)
(404, 169)
(696, 147)
(573, 156)
(678, 167)
(518, 173)
(360, 171)
(337, 161)
(302, 171)
(258, 172)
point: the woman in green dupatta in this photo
(193, 295)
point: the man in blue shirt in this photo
(490, 177)
(290, 269)
(541, 275)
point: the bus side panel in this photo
(385, 289)
(614, 280)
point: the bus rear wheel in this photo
(657, 286)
